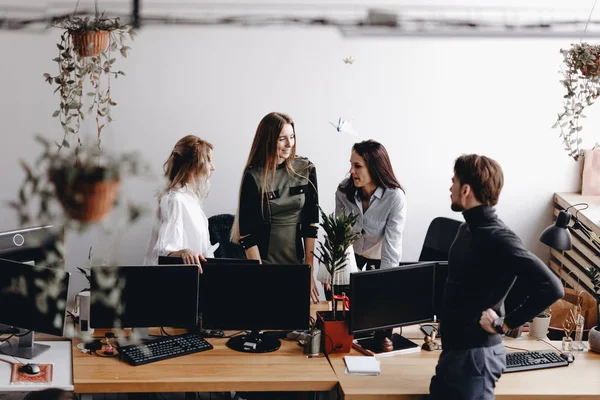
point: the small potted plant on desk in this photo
(332, 254)
(594, 335)
(538, 328)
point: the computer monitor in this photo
(32, 298)
(439, 283)
(30, 245)
(390, 298)
(175, 260)
(255, 297)
(144, 296)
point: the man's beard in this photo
(456, 207)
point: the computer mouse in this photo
(568, 356)
(30, 369)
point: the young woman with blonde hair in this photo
(278, 210)
(181, 227)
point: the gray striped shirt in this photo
(381, 225)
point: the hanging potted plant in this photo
(85, 65)
(582, 82)
(73, 188)
(333, 256)
(86, 186)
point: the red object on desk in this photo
(341, 297)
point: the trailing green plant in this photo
(582, 82)
(79, 74)
(594, 276)
(37, 200)
(338, 237)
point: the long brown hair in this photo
(379, 165)
(263, 154)
(189, 159)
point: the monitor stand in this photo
(24, 348)
(254, 342)
(401, 344)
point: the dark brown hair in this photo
(379, 165)
(483, 174)
(190, 157)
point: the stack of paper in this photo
(362, 365)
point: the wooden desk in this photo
(217, 370)
(407, 376)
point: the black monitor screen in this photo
(441, 274)
(30, 244)
(391, 297)
(139, 297)
(255, 297)
(174, 260)
(33, 297)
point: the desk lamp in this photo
(558, 237)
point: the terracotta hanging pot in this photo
(88, 197)
(90, 43)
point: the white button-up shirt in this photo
(381, 225)
(180, 224)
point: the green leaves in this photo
(338, 237)
(582, 83)
(91, 76)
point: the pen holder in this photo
(312, 343)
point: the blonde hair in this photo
(189, 163)
(263, 154)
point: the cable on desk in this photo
(517, 348)
(549, 344)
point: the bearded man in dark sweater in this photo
(485, 260)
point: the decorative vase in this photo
(336, 338)
(90, 43)
(594, 339)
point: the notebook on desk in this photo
(361, 365)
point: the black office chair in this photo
(219, 227)
(439, 238)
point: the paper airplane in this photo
(345, 126)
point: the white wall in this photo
(426, 100)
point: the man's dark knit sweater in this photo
(485, 259)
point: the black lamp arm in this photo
(579, 226)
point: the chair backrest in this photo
(439, 238)
(219, 227)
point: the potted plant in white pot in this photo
(538, 328)
(332, 254)
(582, 83)
(594, 335)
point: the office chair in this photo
(219, 227)
(439, 238)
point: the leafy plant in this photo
(75, 70)
(582, 82)
(594, 276)
(86, 272)
(338, 237)
(37, 200)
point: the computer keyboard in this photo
(164, 347)
(527, 360)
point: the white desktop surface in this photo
(59, 354)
